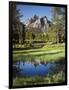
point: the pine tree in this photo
(58, 20)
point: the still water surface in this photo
(31, 69)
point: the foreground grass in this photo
(46, 53)
(58, 77)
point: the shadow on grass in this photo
(30, 51)
(27, 48)
(50, 53)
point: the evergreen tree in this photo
(58, 19)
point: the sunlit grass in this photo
(45, 48)
(46, 53)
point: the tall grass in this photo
(49, 79)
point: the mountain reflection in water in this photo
(32, 69)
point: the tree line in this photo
(55, 34)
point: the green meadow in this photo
(46, 53)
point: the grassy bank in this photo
(46, 53)
(58, 77)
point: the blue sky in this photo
(29, 11)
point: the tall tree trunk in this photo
(20, 33)
(23, 35)
(57, 38)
